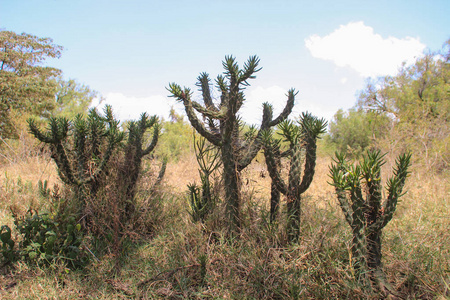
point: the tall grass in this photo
(184, 260)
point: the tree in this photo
(25, 85)
(72, 98)
(221, 125)
(417, 104)
(355, 131)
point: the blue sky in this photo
(131, 50)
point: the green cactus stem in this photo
(302, 140)
(359, 192)
(220, 125)
(134, 152)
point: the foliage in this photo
(417, 104)
(368, 215)
(25, 85)
(72, 98)
(302, 154)
(221, 126)
(355, 131)
(202, 199)
(43, 239)
(176, 138)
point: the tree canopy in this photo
(408, 111)
(28, 88)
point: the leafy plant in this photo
(368, 214)
(221, 126)
(8, 243)
(302, 154)
(43, 240)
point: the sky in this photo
(129, 51)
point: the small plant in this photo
(302, 153)
(42, 240)
(8, 251)
(202, 199)
(359, 192)
(44, 190)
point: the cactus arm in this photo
(184, 96)
(337, 174)
(310, 164)
(154, 141)
(203, 83)
(287, 109)
(395, 186)
(250, 67)
(114, 138)
(253, 148)
(80, 146)
(266, 123)
(161, 173)
(270, 154)
(209, 113)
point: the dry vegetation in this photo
(186, 260)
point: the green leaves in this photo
(25, 85)
(43, 239)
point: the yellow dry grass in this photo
(415, 244)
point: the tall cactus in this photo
(221, 124)
(367, 214)
(302, 153)
(94, 140)
(134, 152)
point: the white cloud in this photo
(131, 108)
(355, 45)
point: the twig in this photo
(169, 274)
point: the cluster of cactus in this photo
(302, 141)
(202, 198)
(81, 149)
(367, 214)
(221, 126)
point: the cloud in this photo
(131, 108)
(355, 45)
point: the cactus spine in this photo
(221, 125)
(302, 153)
(368, 214)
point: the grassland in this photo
(186, 260)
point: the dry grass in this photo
(261, 265)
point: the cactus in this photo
(134, 152)
(202, 199)
(368, 214)
(221, 125)
(302, 153)
(93, 140)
